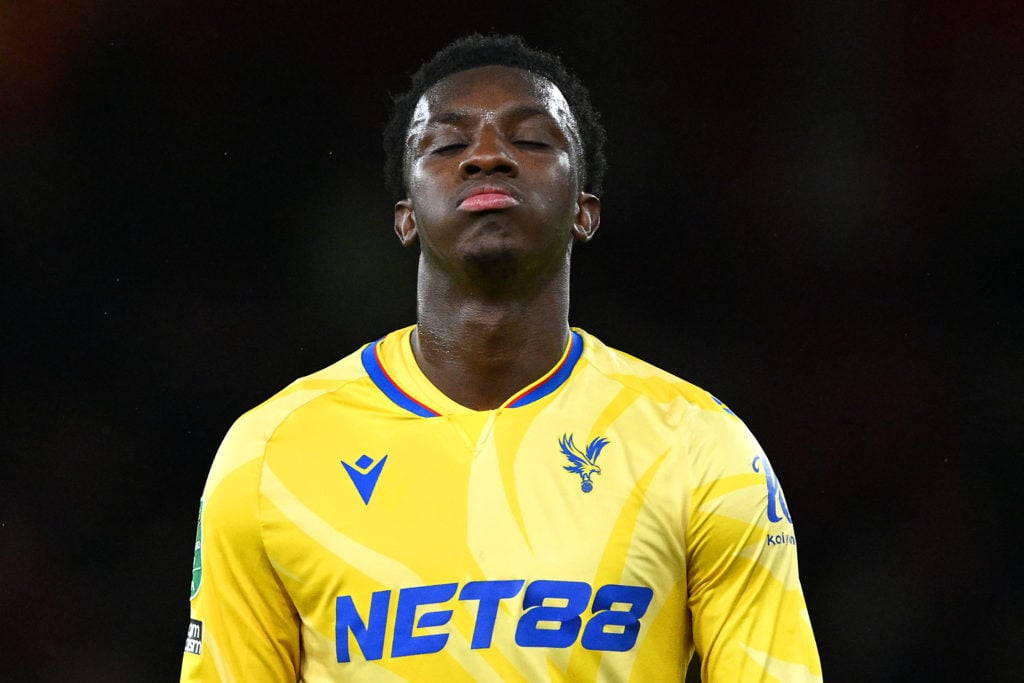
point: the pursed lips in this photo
(488, 198)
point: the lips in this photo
(488, 198)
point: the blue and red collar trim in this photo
(555, 379)
(375, 369)
(380, 377)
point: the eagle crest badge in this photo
(583, 463)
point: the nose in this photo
(488, 155)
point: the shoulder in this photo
(712, 439)
(650, 381)
(247, 438)
(270, 413)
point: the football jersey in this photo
(601, 525)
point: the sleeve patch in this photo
(194, 641)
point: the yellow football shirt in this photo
(601, 525)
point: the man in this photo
(491, 495)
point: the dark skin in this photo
(495, 203)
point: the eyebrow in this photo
(520, 112)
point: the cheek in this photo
(414, 177)
(424, 189)
(574, 176)
(562, 188)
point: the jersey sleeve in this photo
(243, 625)
(750, 621)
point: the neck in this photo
(481, 347)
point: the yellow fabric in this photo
(480, 556)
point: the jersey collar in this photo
(373, 362)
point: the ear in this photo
(588, 217)
(405, 223)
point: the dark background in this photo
(812, 209)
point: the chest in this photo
(378, 500)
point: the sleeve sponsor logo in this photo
(777, 508)
(781, 539)
(554, 615)
(194, 641)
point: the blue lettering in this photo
(369, 636)
(535, 626)
(489, 593)
(625, 623)
(552, 616)
(781, 539)
(776, 501)
(404, 643)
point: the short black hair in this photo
(470, 52)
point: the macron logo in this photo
(364, 474)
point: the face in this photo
(493, 158)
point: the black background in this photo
(812, 209)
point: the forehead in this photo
(489, 91)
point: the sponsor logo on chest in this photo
(555, 614)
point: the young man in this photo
(490, 495)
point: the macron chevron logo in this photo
(364, 474)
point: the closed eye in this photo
(449, 148)
(534, 144)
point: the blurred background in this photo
(812, 210)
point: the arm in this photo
(248, 626)
(750, 621)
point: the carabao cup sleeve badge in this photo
(197, 558)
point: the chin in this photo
(499, 264)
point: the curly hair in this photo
(478, 50)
